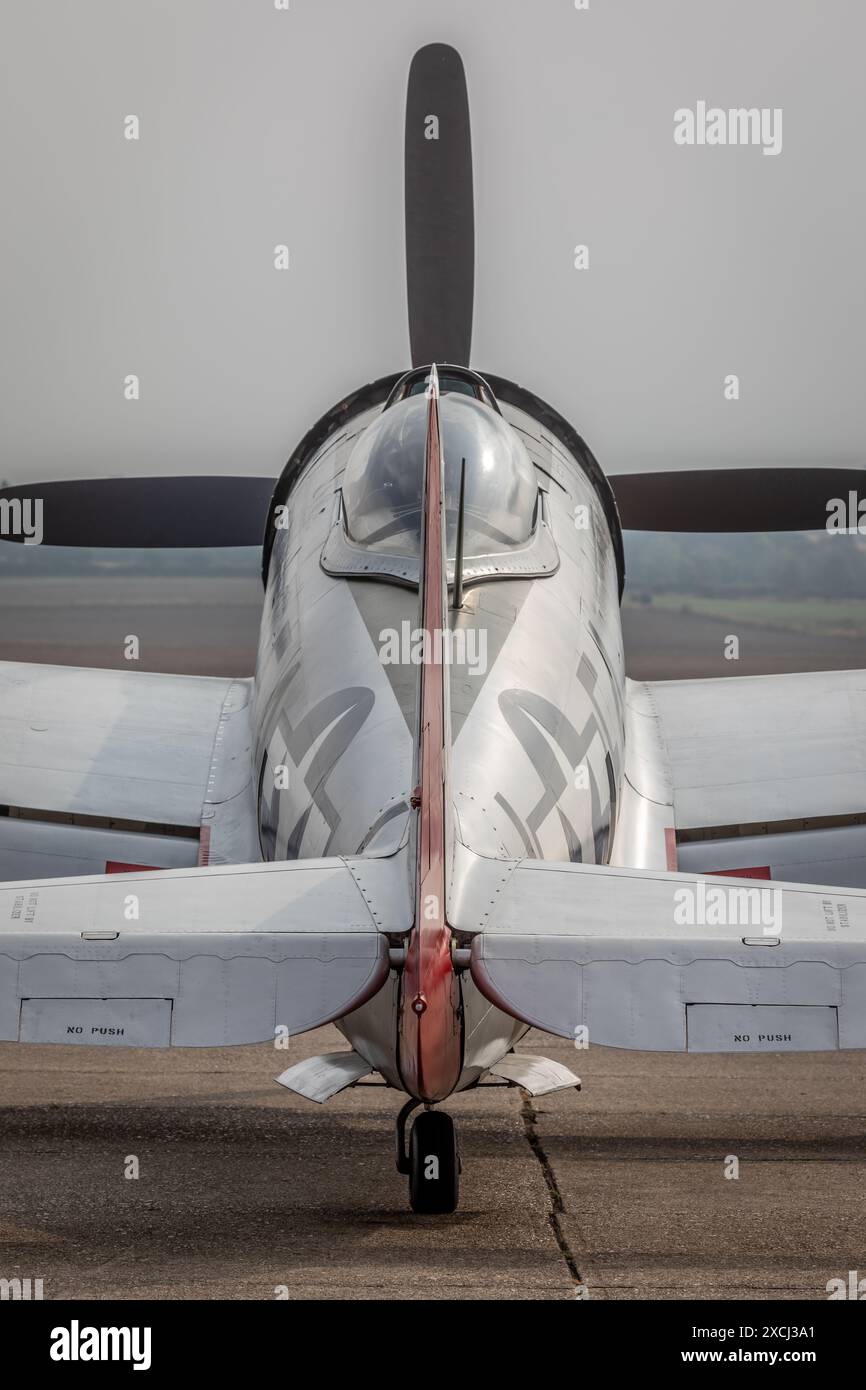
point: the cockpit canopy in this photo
(383, 480)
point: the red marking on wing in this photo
(115, 866)
(762, 872)
(671, 847)
(431, 1046)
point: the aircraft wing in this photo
(102, 768)
(666, 961)
(197, 957)
(757, 772)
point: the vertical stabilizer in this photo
(430, 1030)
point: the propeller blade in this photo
(138, 512)
(440, 223)
(734, 499)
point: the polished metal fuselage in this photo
(537, 708)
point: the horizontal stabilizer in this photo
(666, 961)
(734, 499)
(197, 957)
(145, 513)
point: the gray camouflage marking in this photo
(522, 710)
(349, 708)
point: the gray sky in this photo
(260, 127)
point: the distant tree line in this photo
(782, 564)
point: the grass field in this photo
(818, 617)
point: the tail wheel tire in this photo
(434, 1164)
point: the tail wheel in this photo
(434, 1164)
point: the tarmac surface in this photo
(245, 1191)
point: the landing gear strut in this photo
(432, 1163)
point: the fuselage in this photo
(535, 674)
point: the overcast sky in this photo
(261, 127)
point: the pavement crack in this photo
(529, 1116)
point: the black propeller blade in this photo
(145, 512)
(734, 499)
(440, 223)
